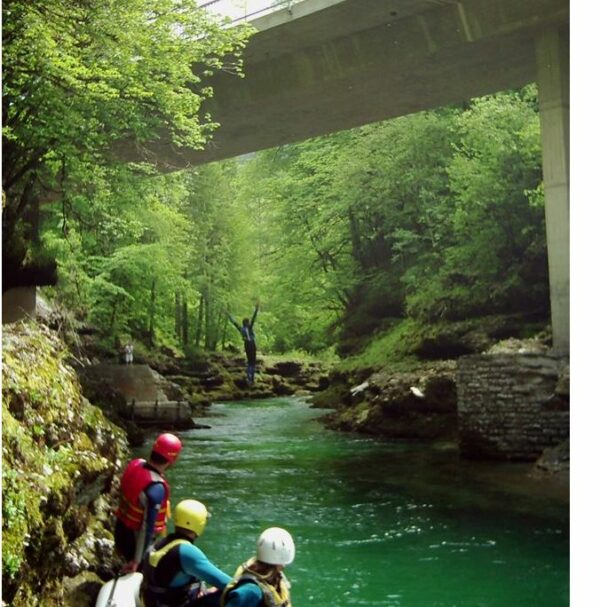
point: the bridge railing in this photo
(245, 10)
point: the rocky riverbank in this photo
(173, 394)
(222, 377)
(518, 409)
(62, 455)
(418, 404)
(60, 460)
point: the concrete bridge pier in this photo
(552, 56)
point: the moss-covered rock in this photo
(59, 456)
(419, 404)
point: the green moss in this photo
(404, 346)
(55, 446)
(393, 349)
(21, 492)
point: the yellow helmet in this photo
(192, 515)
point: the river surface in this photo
(384, 523)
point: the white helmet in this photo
(275, 546)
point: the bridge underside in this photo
(330, 65)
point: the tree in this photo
(80, 76)
(435, 215)
(494, 248)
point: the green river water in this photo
(376, 522)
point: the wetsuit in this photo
(248, 595)
(172, 570)
(247, 333)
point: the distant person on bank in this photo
(260, 581)
(144, 501)
(246, 330)
(175, 570)
(129, 353)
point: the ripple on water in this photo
(377, 523)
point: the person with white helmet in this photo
(260, 581)
(143, 507)
(175, 569)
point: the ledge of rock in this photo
(408, 405)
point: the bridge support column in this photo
(552, 54)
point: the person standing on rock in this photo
(246, 330)
(144, 501)
(129, 353)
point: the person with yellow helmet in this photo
(175, 570)
(260, 581)
(144, 501)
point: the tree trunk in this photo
(151, 311)
(223, 329)
(113, 315)
(200, 318)
(184, 320)
(206, 323)
(177, 316)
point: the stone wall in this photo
(512, 406)
(18, 303)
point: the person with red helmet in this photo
(144, 501)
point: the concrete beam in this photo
(552, 53)
(330, 65)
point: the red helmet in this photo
(167, 445)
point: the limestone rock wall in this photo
(61, 459)
(512, 405)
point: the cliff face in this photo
(60, 461)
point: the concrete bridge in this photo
(327, 65)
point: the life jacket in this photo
(155, 585)
(137, 476)
(272, 596)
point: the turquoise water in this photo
(376, 522)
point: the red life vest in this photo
(135, 479)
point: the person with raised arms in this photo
(246, 330)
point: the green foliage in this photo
(391, 348)
(80, 77)
(437, 215)
(434, 216)
(494, 257)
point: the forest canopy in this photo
(79, 76)
(432, 217)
